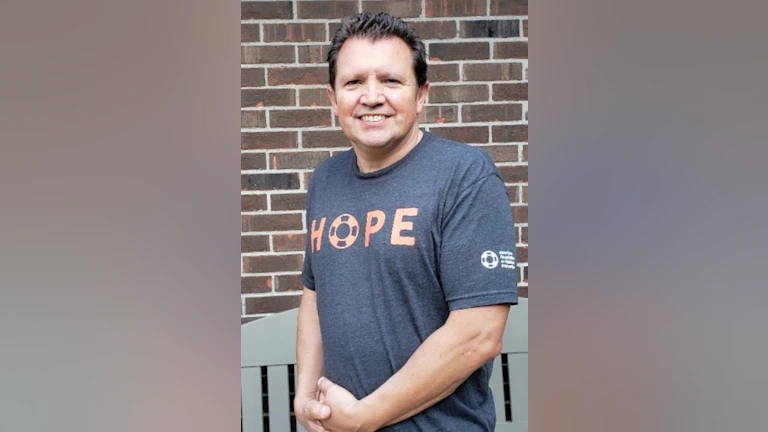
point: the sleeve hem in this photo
(499, 297)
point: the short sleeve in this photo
(307, 276)
(477, 261)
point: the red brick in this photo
(294, 32)
(252, 77)
(525, 153)
(443, 8)
(297, 75)
(266, 10)
(524, 235)
(268, 140)
(272, 222)
(440, 114)
(522, 292)
(285, 283)
(514, 193)
(271, 304)
(493, 72)
(518, 50)
(509, 7)
(522, 254)
(463, 134)
(514, 92)
(267, 97)
(253, 161)
(443, 29)
(307, 178)
(490, 28)
(297, 160)
(450, 51)
(502, 153)
(249, 203)
(458, 93)
(253, 119)
(525, 28)
(524, 271)
(292, 201)
(513, 133)
(267, 54)
(314, 97)
(272, 263)
(300, 118)
(252, 243)
(313, 53)
(442, 72)
(326, 9)
(250, 33)
(490, 113)
(255, 284)
(514, 174)
(520, 214)
(288, 242)
(325, 138)
(261, 182)
(398, 8)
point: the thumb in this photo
(324, 384)
(318, 411)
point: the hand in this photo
(346, 411)
(310, 412)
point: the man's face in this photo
(377, 98)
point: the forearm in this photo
(309, 346)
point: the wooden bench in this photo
(268, 358)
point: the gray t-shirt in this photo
(391, 253)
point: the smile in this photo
(372, 118)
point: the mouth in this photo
(372, 118)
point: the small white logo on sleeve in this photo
(489, 259)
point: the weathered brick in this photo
(253, 119)
(443, 8)
(449, 51)
(269, 181)
(297, 160)
(252, 77)
(258, 54)
(285, 283)
(255, 284)
(514, 193)
(249, 203)
(525, 28)
(292, 201)
(525, 153)
(513, 133)
(442, 72)
(440, 114)
(522, 292)
(266, 10)
(522, 253)
(458, 93)
(250, 33)
(314, 97)
(268, 140)
(270, 263)
(297, 75)
(326, 9)
(288, 242)
(271, 304)
(254, 243)
(493, 72)
(253, 161)
(307, 179)
(313, 53)
(333, 27)
(490, 29)
(267, 97)
(271, 222)
(443, 29)
(524, 235)
(300, 118)
(294, 32)
(518, 50)
(490, 113)
(326, 138)
(513, 91)
(509, 7)
(502, 153)
(464, 134)
(524, 271)
(514, 174)
(399, 8)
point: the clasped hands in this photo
(332, 409)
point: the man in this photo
(409, 269)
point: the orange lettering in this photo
(398, 226)
(317, 235)
(372, 229)
(349, 239)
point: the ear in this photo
(332, 97)
(421, 97)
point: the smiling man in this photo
(409, 268)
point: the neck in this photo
(370, 160)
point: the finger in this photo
(318, 427)
(316, 410)
(324, 384)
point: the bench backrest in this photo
(268, 358)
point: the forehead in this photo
(365, 55)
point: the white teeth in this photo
(373, 118)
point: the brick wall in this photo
(478, 67)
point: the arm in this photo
(309, 364)
(468, 339)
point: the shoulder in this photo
(465, 163)
(334, 165)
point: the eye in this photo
(392, 81)
(353, 82)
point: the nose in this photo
(372, 95)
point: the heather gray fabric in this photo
(391, 253)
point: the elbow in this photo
(491, 349)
